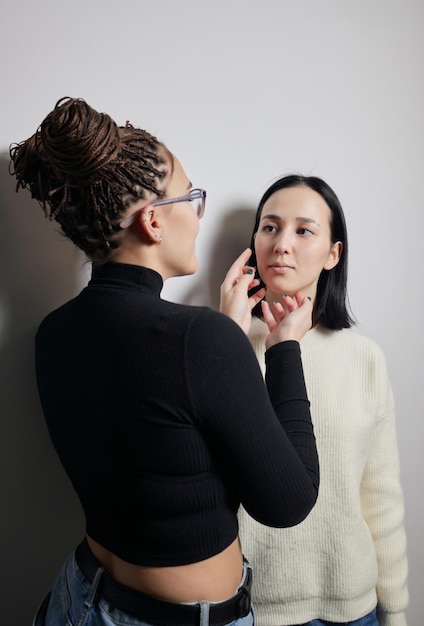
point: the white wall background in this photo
(242, 91)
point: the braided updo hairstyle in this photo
(80, 165)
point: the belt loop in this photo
(94, 586)
(204, 613)
(244, 591)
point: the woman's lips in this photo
(280, 269)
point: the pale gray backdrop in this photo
(242, 91)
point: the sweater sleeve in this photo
(263, 438)
(382, 502)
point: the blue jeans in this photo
(74, 601)
(368, 620)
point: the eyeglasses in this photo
(197, 198)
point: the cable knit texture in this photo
(349, 555)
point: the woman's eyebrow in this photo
(308, 220)
(278, 218)
(270, 216)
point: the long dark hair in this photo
(331, 308)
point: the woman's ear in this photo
(334, 256)
(150, 225)
(136, 205)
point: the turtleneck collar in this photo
(125, 275)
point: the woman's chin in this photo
(194, 267)
(189, 269)
(278, 287)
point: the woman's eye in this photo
(268, 228)
(305, 231)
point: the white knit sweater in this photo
(350, 552)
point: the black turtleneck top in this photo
(161, 419)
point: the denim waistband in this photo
(149, 609)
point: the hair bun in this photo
(77, 140)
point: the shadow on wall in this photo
(232, 238)
(41, 519)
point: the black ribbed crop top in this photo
(161, 419)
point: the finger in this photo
(279, 311)
(241, 260)
(290, 304)
(248, 267)
(244, 256)
(268, 316)
(256, 297)
(308, 299)
(255, 282)
(247, 276)
(286, 302)
(236, 269)
(245, 281)
(303, 300)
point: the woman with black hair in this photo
(346, 563)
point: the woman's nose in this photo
(282, 243)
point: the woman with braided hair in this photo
(158, 411)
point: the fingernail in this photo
(275, 302)
(309, 298)
(284, 295)
(249, 271)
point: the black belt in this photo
(149, 609)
